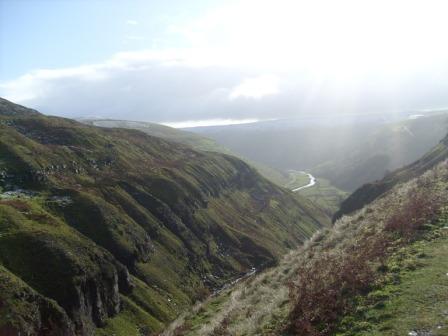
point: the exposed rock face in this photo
(85, 285)
(25, 312)
(106, 220)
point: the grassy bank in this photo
(380, 271)
(412, 297)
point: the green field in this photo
(323, 193)
(296, 179)
(414, 301)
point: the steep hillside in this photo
(116, 232)
(161, 131)
(194, 140)
(369, 192)
(379, 271)
(347, 153)
(323, 194)
(388, 147)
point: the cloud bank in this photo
(261, 60)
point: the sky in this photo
(216, 62)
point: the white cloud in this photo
(256, 87)
(236, 56)
(179, 85)
(153, 85)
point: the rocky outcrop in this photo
(110, 205)
(23, 311)
(83, 279)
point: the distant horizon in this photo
(190, 124)
(411, 114)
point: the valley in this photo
(128, 249)
(312, 181)
(223, 168)
(325, 194)
(407, 297)
(347, 151)
(196, 242)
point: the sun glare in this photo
(339, 38)
(256, 87)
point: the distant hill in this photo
(194, 140)
(106, 230)
(379, 270)
(326, 196)
(371, 191)
(348, 153)
(385, 149)
(188, 138)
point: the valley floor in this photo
(258, 305)
(319, 190)
(406, 287)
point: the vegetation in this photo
(412, 296)
(121, 231)
(297, 179)
(356, 278)
(370, 191)
(348, 153)
(325, 195)
(184, 137)
(136, 232)
(198, 142)
(24, 311)
(332, 277)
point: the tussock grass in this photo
(314, 286)
(259, 304)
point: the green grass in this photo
(198, 142)
(408, 294)
(257, 305)
(177, 219)
(325, 195)
(24, 309)
(414, 296)
(131, 321)
(296, 180)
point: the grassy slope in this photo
(24, 310)
(348, 155)
(194, 140)
(327, 196)
(323, 193)
(387, 148)
(255, 306)
(415, 300)
(407, 293)
(370, 191)
(376, 245)
(111, 200)
(164, 132)
(57, 262)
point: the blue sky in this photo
(61, 33)
(177, 61)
